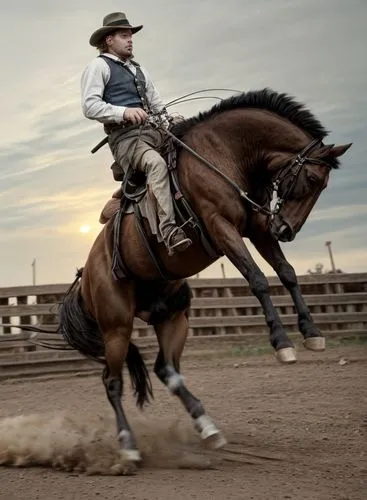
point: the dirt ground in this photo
(295, 432)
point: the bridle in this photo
(292, 171)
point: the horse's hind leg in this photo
(116, 349)
(172, 335)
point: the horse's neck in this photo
(264, 133)
(254, 135)
(271, 132)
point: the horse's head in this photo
(299, 181)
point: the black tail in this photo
(139, 375)
(79, 329)
(81, 332)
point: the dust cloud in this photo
(61, 442)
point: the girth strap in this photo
(119, 268)
(155, 257)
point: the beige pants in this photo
(138, 149)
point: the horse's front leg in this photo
(230, 242)
(270, 250)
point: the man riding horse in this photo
(240, 152)
(119, 93)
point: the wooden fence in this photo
(221, 308)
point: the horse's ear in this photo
(278, 160)
(332, 150)
(340, 150)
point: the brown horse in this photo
(261, 141)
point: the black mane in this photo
(280, 104)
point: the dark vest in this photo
(123, 87)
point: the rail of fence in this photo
(223, 310)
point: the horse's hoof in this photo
(315, 344)
(287, 355)
(209, 432)
(215, 441)
(130, 455)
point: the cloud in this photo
(340, 213)
(51, 183)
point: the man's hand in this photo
(135, 115)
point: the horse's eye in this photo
(313, 179)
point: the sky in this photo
(51, 185)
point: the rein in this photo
(294, 167)
(242, 193)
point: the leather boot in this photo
(177, 241)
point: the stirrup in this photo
(181, 245)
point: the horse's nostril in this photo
(285, 233)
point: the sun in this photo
(85, 228)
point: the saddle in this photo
(135, 185)
(127, 198)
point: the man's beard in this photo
(129, 56)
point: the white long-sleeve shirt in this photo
(93, 81)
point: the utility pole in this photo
(223, 270)
(34, 272)
(328, 244)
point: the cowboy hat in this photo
(112, 22)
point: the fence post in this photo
(5, 319)
(227, 292)
(25, 320)
(52, 300)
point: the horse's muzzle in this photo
(281, 230)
